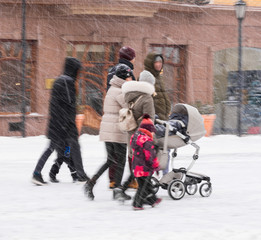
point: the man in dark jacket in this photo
(126, 56)
(62, 130)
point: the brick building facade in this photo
(189, 36)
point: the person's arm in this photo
(148, 107)
(109, 76)
(121, 101)
(150, 155)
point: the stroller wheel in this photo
(205, 189)
(191, 189)
(176, 189)
(155, 185)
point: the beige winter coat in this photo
(113, 102)
(132, 90)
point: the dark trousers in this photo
(130, 178)
(58, 163)
(112, 170)
(59, 147)
(144, 193)
(116, 154)
(42, 160)
(75, 156)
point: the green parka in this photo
(161, 100)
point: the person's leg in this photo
(145, 194)
(131, 177)
(37, 176)
(150, 197)
(131, 182)
(88, 187)
(141, 192)
(77, 159)
(42, 160)
(110, 160)
(119, 191)
(56, 167)
(120, 154)
(72, 170)
(112, 175)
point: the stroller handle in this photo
(162, 122)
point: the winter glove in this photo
(67, 151)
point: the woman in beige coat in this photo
(115, 140)
(141, 93)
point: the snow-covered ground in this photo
(61, 211)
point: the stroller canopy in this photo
(195, 126)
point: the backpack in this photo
(127, 122)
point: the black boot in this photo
(119, 194)
(53, 177)
(53, 171)
(88, 187)
(74, 176)
(38, 179)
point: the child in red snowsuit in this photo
(144, 163)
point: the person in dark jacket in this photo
(144, 163)
(62, 112)
(126, 56)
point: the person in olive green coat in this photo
(154, 64)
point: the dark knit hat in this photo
(127, 53)
(147, 123)
(123, 71)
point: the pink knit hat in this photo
(147, 123)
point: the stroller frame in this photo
(181, 181)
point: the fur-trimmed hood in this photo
(134, 86)
(132, 89)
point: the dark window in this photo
(11, 76)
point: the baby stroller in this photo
(186, 132)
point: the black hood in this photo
(71, 67)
